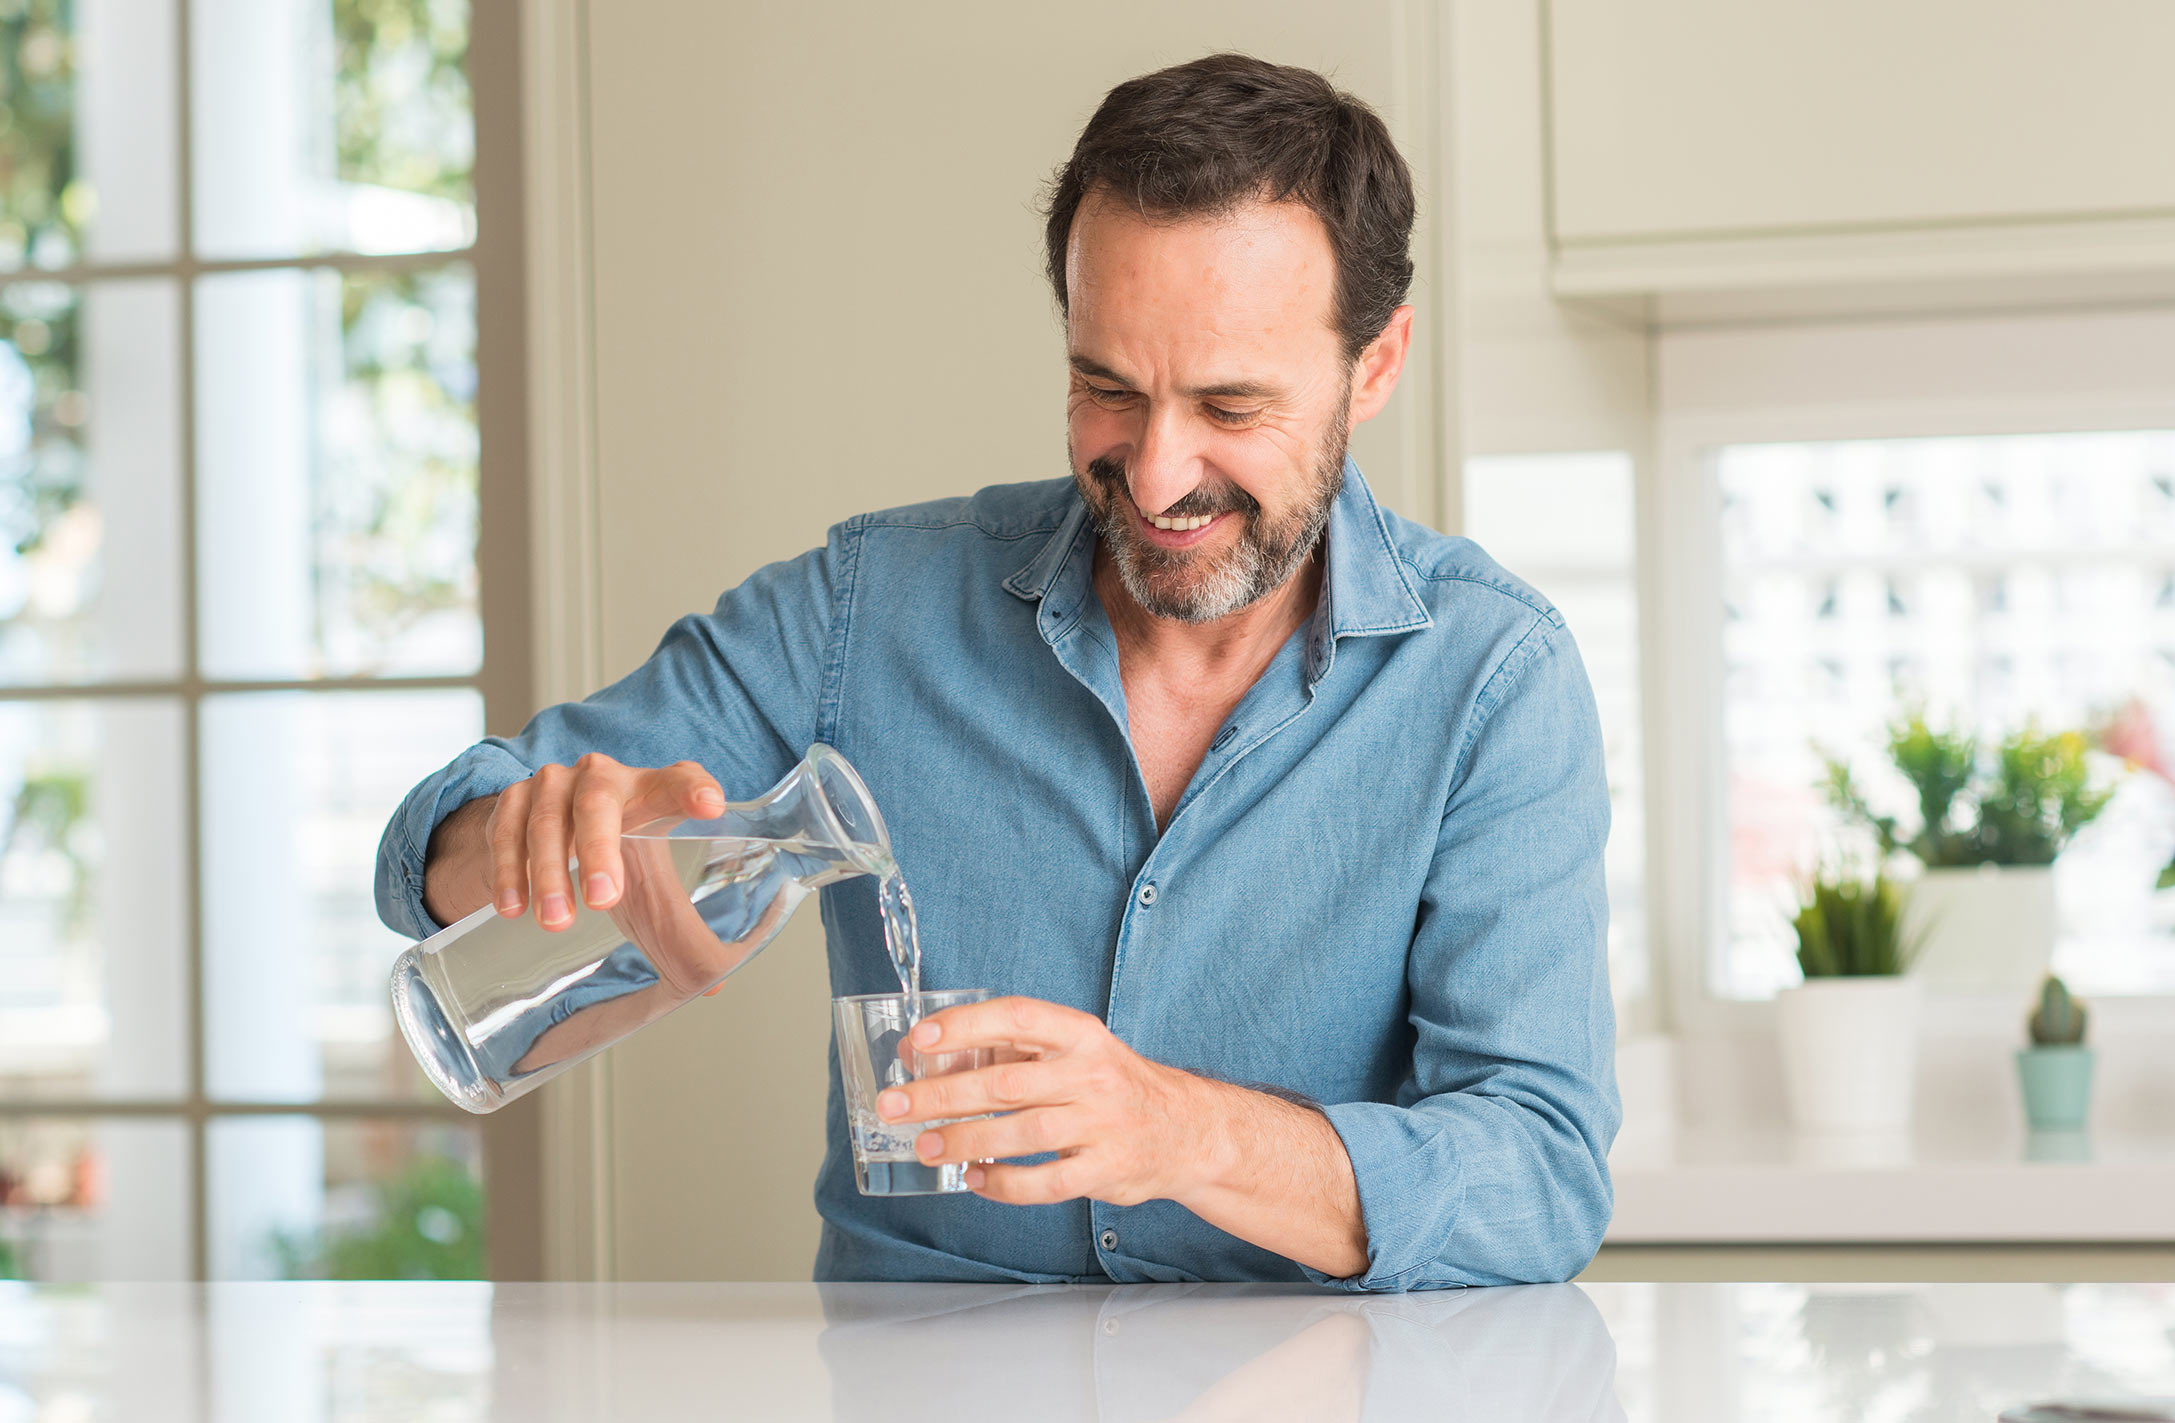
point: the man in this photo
(1277, 820)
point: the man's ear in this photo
(1374, 374)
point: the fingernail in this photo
(891, 1104)
(709, 800)
(929, 1145)
(509, 902)
(927, 1033)
(600, 889)
(974, 1178)
(555, 909)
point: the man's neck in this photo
(1239, 645)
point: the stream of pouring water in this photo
(902, 936)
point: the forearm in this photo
(457, 863)
(1275, 1174)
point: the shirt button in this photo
(1147, 894)
(1108, 1240)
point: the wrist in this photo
(1211, 1158)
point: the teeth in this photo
(1182, 525)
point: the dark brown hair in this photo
(1199, 139)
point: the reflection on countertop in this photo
(1146, 1352)
(896, 1353)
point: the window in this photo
(1566, 524)
(1991, 581)
(241, 478)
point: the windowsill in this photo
(1770, 1186)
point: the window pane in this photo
(89, 498)
(1992, 581)
(86, 155)
(355, 1199)
(94, 1199)
(340, 126)
(337, 474)
(298, 787)
(1567, 524)
(92, 913)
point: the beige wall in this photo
(817, 289)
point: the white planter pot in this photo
(1849, 1052)
(1989, 928)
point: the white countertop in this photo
(300, 1353)
(1777, 1187)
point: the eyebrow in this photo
(1223, 390)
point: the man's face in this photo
(1207, 383)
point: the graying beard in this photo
(1250, 575)
(1244, 578)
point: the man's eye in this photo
(1229, 417)
(1110, 397)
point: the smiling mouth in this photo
(1176, 533)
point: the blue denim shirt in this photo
(1382, 888)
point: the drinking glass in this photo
(873, 1053)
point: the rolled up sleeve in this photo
(739, 690)
(1492, 1165)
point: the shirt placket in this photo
(1277, 699)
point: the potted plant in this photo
(1988, 828)
(1849, 1033)
(2056, 1070)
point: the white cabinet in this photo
(1838, 139)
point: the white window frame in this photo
(1994, 374)
(511, 1140)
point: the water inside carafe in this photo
(579, 992)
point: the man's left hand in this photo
(1125, 1130)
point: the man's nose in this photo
(1166, 465)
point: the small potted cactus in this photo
(2056, 1070)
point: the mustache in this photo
(1109, 474)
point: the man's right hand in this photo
(511, 849)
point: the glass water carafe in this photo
(493, 1007)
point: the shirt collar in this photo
(1366, 590)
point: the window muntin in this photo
(157, 690)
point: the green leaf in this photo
(1848, 927)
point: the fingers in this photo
(695, 791)
(1008, 1087)
(1027, 1024)
(578, 812)
(549, 808)
(600, 789)
(1042, 1185)
(1027, 1133)
(508, 829)
(680, 791)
